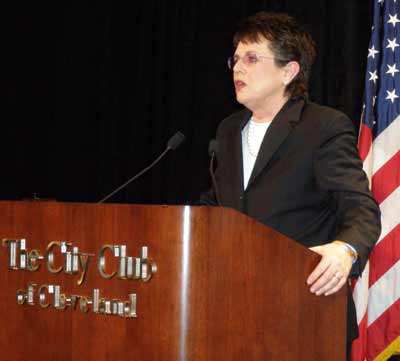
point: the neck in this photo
(268, 111)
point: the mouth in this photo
(239, 85)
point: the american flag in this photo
(377, 292)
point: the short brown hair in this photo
(288, 41)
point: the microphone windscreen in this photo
(176, 140)
(213, 147)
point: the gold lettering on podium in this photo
(77, 263)
(51, 295)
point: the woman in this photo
(292, 164)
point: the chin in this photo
(241, 99)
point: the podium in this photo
(158, 283)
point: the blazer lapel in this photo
(277, 132)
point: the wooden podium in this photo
(210, 284)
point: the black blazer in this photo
(307, 182)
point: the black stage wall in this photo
(91, 91)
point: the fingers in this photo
(328, 284)
(341, 282)
(321, 268)
(332, 271)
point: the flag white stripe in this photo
(367, 166)
(386, 145)
(382, 294)
(390, 213)
(360, 294)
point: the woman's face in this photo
(258, 81)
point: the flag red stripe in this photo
(386, 179)
(384, 330)
(359, 346)
(385, 254)
(365, 141)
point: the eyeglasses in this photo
(249, 59)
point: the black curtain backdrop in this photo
(91, 91)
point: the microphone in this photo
(213, 152)
(174, 142)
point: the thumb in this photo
(317, 249)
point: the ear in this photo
(291, 69)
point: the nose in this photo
(238, 67)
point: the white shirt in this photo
(252, 136)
